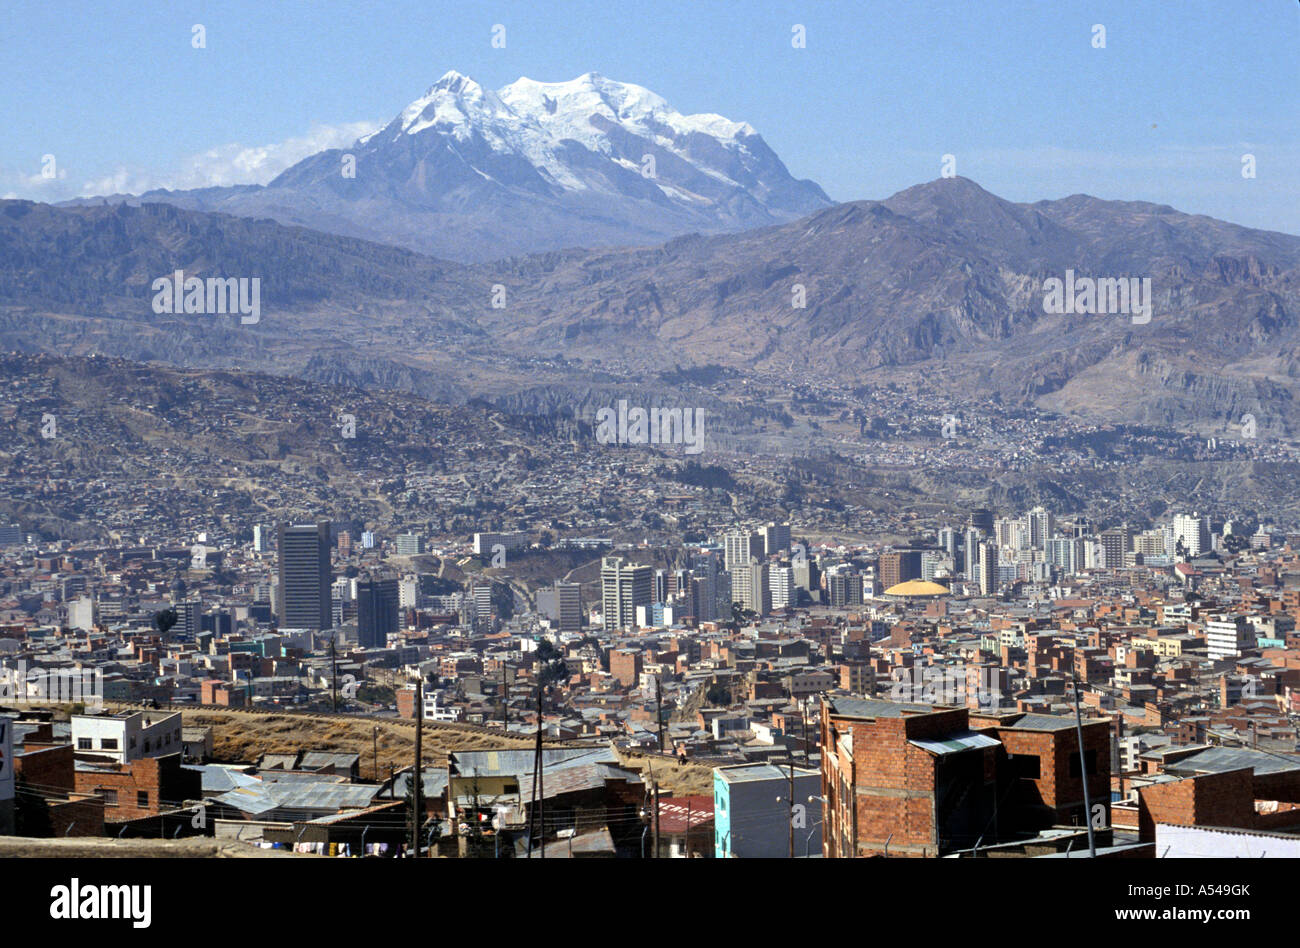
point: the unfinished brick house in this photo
(922, 780)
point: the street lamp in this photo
(808, 842)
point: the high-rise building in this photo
(971, 551)
(378, 611)
(988, 568)
(408, 592)
(486, 544)
(219, 624)
(1227, 636)
(844, 587)
(82, 614)
(1115, 543)
(1150, 543)
(776, 538)
(304, 572)
(741, 546)
(723, 600)
(410, 544)
(898, 566)
(367, 540)
(1066, 553)
(1194, 532)
(705, 572)
(189, 620)
(703, 601)
(948, 541)
(750, 587)
(1011, 533)
(1042, 526)
(624, 586)
(568, 605)
(784, 591)
(480, 599)
(261, 538)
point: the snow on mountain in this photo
(470, 174)
(532, 119)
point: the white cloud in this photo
(221, 166)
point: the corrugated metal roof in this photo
(573, 779)
(313, 760)
(873, 708)
(1043, 722)
(299, 795)
(433, 782)
(956, 743)
(745, 772)
(217, 779)
(510, 763)
(1221, 759)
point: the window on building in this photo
(142, 798)
(146, 747)
(1027, 766)
(110, 797)
(85, 744)
(108, 743)
(1090, 756)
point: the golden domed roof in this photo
(917, 587)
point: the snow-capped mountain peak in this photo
(590, 160)
(454, 103)
(620, 122)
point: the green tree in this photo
(164, 619)
(1235, 543)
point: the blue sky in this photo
(1013, 88)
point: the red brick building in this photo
(214, 691)
(625, 665)
(144, 787)
(922, 780)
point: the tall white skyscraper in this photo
(1194, 531)
(988, 568)
(624, 586)
(783, 587)
(1041, 525)
(739, 547)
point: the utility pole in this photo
(541, 772)
(654, 785)
(537, 812)
(417, 806)
(1083, 770)
(791, 820)
(803, 716)
(659, 713)
(505, 700)
(334, 677)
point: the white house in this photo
(127, 736)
